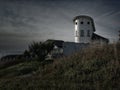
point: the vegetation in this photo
(36, 51)
(39, 50)
(94, 68)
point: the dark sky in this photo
(24, 21)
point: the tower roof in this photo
(98, 37)
(82, 16)
(58, 43)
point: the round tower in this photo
(84, 28)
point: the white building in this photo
(84, 31)
(70, 48)
(84, 28)
(84, 36)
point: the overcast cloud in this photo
(24, 21)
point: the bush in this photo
(40, 50)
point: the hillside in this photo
(95, 68)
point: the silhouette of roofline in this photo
(96, 36)
(82, 16)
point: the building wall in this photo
(99, 42)
(84, 24)
(55, 53)
(70, 48)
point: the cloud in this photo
(22, 21)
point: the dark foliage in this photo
(40, 50)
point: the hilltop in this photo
(94, 68)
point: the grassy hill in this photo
(95, 68)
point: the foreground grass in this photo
(95, 68)
(19, 69)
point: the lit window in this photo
(81, 22)
(82, 33)
(88, 33)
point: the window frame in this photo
(88, 23)
(76, 23)
(76, 33)
(81, 22)
(81, 33)
(88, 33)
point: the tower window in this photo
(82, 33)
(88, 22)
(88, 33)
(76, 23)
(76, 33)
(81, 22)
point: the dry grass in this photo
(95, 68)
